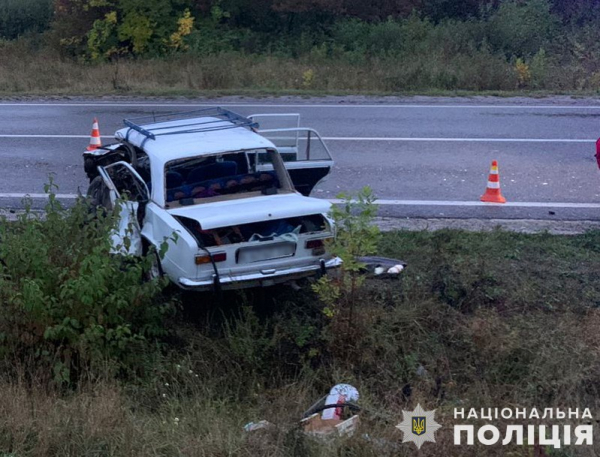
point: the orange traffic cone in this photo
(492, 192)
(95, 141)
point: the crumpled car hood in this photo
(254, 209)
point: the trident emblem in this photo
(418, 425)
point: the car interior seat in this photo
(213, 171)
(174, 179)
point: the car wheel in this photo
(99, 195)
(154, 270)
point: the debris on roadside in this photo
(421, 371)
(260, 425)
(316, 427)
(334, 414)
(382, 267)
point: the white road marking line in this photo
(321, 105)
(468, 140)
(477, 203)
(388, 202)
(378, 139)
(42, 136)
(37, 196)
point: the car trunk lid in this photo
(254, 209)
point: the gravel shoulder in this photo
(485, 225)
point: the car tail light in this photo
(313, 244)
(317, 246)
(205, 258)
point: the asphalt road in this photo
(422, 157)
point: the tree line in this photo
(99, 30)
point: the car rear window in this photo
(213, 176)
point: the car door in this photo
(306, 156)
(128, 195)
(287, 143)
(304, 153)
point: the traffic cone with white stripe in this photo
(492, 192)
(95, 141)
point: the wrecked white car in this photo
(236, 197)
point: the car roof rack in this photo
(225, 119)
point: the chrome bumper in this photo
(265, 278)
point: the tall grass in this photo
(40, 73)
(30, 72)
(478, 320)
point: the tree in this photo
(522, 28)
(577, 12)
(21, 16)
(101, 29)
(438, 10)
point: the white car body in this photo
(244, 228)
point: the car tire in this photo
(98, 195)
(155, 271)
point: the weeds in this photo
(30, 70)
(479, 319)
(67, 306)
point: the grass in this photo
(496, 319)
(30, 70)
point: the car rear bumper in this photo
(260, 279)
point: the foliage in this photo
(67, 306)
(108, 28)
(523, 72)
(522, 28)
(424, 45)
(356, 236)
(307, 78)
(461, 328)
(185, 26)
(18, 17)
(102, 38)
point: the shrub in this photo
(67, 306)
(539, 69)
(355, 236)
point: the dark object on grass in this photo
(406, 392)
(382, 267)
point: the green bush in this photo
(18, 17)
(522, 28)
(67, 306)
(356, 236)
